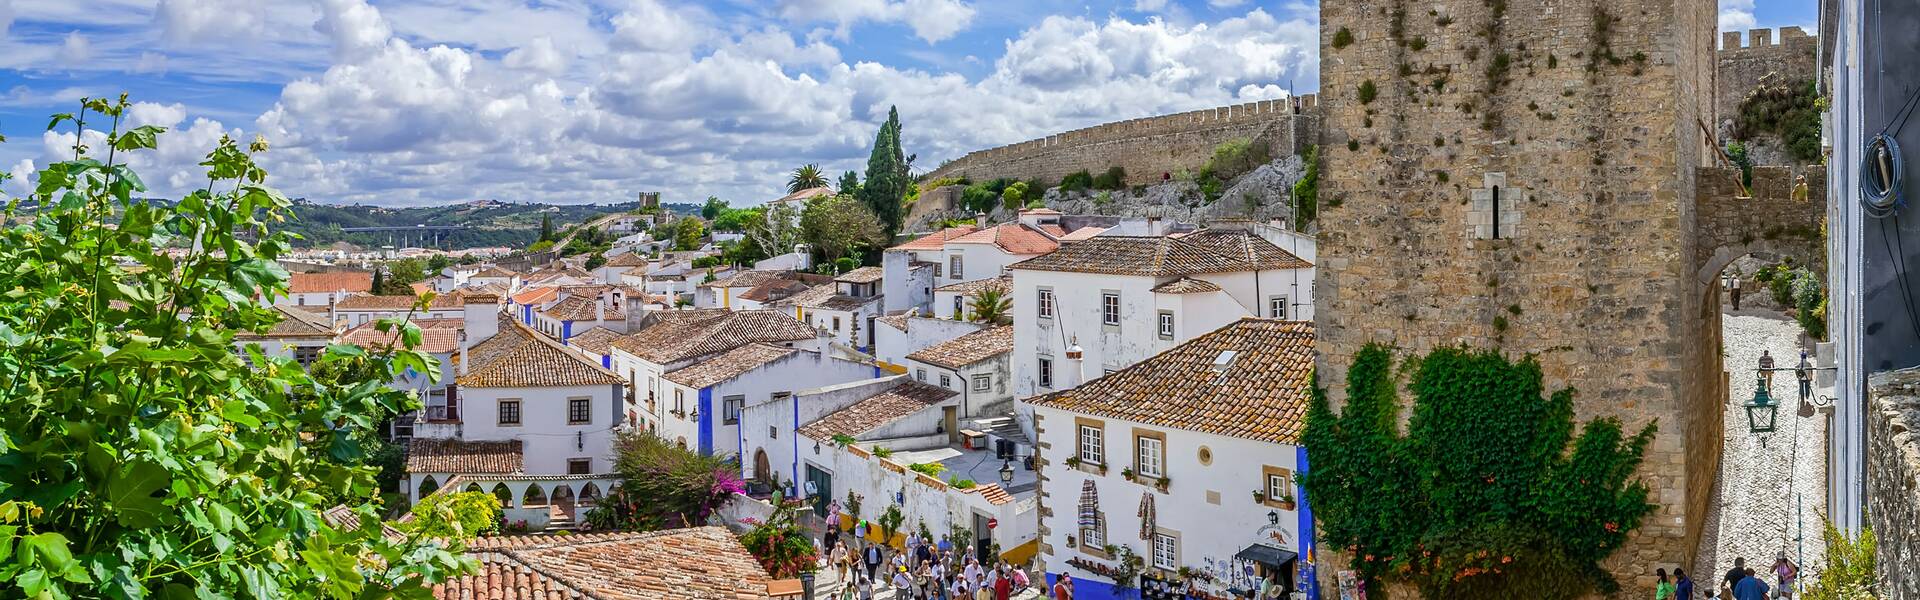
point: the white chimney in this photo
(980, 220)
(600, 308)
(480, 317)
(465, 345)
(1154, 226)
(1076, 362)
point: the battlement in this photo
(1760, 39)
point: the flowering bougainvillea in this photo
(664, 487)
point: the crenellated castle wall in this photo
(1793, 54)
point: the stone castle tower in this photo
(1522, 176)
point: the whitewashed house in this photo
(614, 271)
(1101, 304)
(968, 253)
(301, 335)
(360, 309)
(674, 339)
(974, 365)
(750, 290)
(321, 289)
(845, 308)
(497, 276)
(751, 375)
(1186, 460)
(896, 336)
(955, 301)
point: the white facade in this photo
(718, 409)
(981, 385)
(891, 345)
(908, 285)
(1205, 516)
(549, 438)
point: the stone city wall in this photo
(1147, 147)
(1770, 224)
(1893, 466)
(1794, 55)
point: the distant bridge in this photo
(417, 233)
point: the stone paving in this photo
(827, 586)
(1766, 493)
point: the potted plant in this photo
(1286, 502)
(1164, 482)
(1127, 474)
(1073, 461)
(1259, 497)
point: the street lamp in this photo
(1761, 410)
(1006, 471)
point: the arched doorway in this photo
(762, 471)
(563, 501)
(473, 487)
(428, 486)
(534, 498)
(504, 495)
(590, 494)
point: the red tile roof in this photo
(862, 275)
(937, 239)
(904, 398)
(455, 456)
(727, 365)
(339, 281)
(699, 563)
(583, 308)
(521, 357)
(967, 349)
(401, 303)
(675, 335)
(1014, 238)
(437, 336)
(1165, 256)
(294, 323)
(536, 295)
(598, 340)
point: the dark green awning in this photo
(1267, 555)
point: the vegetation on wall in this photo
(1849, 573)
(1800, 290)
(780, 543)
(663, 486)
(457, 516)
(1787, 111)
(143, 455)
(1487, 494)
(1306, 191)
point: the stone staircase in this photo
(560, 519)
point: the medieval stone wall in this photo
(1147, 148)
(1525, 181)
(1769, 224)
(1893, 467)
(1794, 54)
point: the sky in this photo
(422, 102)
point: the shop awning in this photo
(1267, 555)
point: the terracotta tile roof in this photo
(372, 302)
(676, 335)
(1082, 233)
(937, 239)
(629, 259)
(727, 365)
(494, 272)
(1156, 256)
(815, 296)
(536, 295)
(437, 336)
(598, 340)
(774, 290)
(991, 492)
(1014, 238)
(294, 323)
(1004, 283)
(862, 275)
(898, 321)
(339, 281)
(967, 349)
(341, 517)
(582, 308)
(426, 455)
(905, 398)
(699, 563)
(1039, 211)
(520, 357)
(806, 194)
(486, 289)
(1261, 393)
(847, 303)
(1186, 285)
(1053, 231)
(755, 277)
(1248, 246)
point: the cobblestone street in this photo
(1767, 496)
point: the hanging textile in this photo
(1089, 505)
(1147, 520)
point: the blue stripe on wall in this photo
(705, 406)
(1308, 570)
(566, 331)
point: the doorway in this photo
(822, 483)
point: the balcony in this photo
(442, 414)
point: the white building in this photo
(1116, 300)
(1186, 460)
(674, 339)
(974, 365)
(301, 335)
(495, 275)
(360, 309)
(321, 289)
(844, 308)
(615, 270)
(955, 301)
(754, 289)
(968, 253)
(730, 382)
(896, 336)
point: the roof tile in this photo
(727, 365)
(967, 349)
(338, 281)
(904, 398)
(699, 563)
(520, 357)
(426, 455)
(675, 335)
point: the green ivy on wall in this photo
(1488, 493)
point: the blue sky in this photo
(429, 101)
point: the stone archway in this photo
(761, 467)
(563, 500)
(589, 494)
(428, 486)
(534, 497)
(504, 495)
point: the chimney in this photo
(980, 220)
(600, 308)
(480, 317)
(465, 345)
(1154, 228)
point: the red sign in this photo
(992, 523)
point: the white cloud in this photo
(538, 55)
(931, 20)
(189, 21)
(1225, 3)
(936, 20)
(1150, 5)
(354, 27)
(75, 48)
(1736, 15)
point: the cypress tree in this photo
(546, 227)
(886, 184)
(379, 282)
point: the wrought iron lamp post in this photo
(1762, 410)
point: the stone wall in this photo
(1148, 147)
(1893, 466)
(1595, 156)
(1770, 224)
(1794, 55)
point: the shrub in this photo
(1810, 304)
(1788, 111)
(1849, 573)
(780, 543)
(1342, 38)
(985, 196)
(1114, 179)
(663, 486)
(962, 483)
(1737, 151)
(933, 469)
(1368, 91)
(882, 451)
(1014, 196)
(1306, 191)
(451, 515)
(1234, 157)
(1076, 181)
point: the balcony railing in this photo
(443, 414)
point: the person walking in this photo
(1784, 574)
(871, 556)
(1733, 288)
(1750, 587)
(1063, 587)
(1682, 585)
(1002, 583)
(1766, 368)
(1734, 575)
(1663, 589)
(1804, 373)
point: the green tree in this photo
(1014, 196)
(687, 233)
(887, 169)
(849, 183)
(143, 457)
(806, 177)
(379, 280)
(403, 273)
(438, 263)
(663, 486)
(992, 305)
(1488, 494)
(546, 227)
(1306, 191)
(736, 219)
(839, 225)
(712, 209)
(1849, 573)
(453, 514)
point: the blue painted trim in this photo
(1309, 572)
(705, 406)
(878, 372)
(740, 438)
(1086, 588)
(793, 437)
(566, 331)
(606, 360)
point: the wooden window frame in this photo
(1139, 465)
(1080, 427)
(1113, 295)
(500, 412)
(587, 470)
(587, 414)
(1267, 473)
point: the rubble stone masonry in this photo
(1794, 55)
(1893, 467)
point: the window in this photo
(945, 381)
(579, 411)
(305, 355)
(1046, 372)
(1278, 485)
(1149, 457)
(1093, 448)
(509, 412)
(730, 408)
(1110, 308)
(1277, 307)
(1166, 552)
(920, 374)
(1046, 304)
(983, 382)
(936, 270)
(959, 308)
(1094, 538)
(579, 466)
(836, 324)
(954, 267)
(1166, 324)
(680, 402)
(773, 433)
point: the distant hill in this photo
(487, 222)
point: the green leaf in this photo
(131, 490)
(57, 119)
(142, 137)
